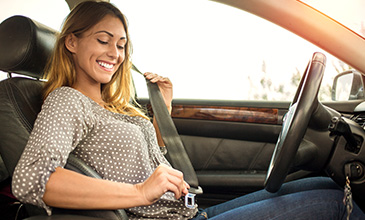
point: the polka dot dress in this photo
(118, 147)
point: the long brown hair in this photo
(61, 69)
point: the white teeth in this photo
(106, 65)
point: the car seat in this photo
(25, 48)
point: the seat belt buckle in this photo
(190, 200)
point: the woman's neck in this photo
(92, 92)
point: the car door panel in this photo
(218, 154)
(230, 143)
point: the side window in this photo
(208, 50)
(50, 13)
(213, 51)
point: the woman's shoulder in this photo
(67, 96)
(65, 91)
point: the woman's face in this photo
(98, 52)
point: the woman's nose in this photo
(113, 52)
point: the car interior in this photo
(222, 171)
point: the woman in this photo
(87, 111)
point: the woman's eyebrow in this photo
(110, 34)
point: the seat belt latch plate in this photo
(190, 200)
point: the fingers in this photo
(164, 179)
(172, 187)
(165, 86)
(174, 180)
(187, 187)
(153, 77)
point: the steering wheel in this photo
(295, 123)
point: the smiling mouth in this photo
(106, 65)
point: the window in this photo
(208, 50)
(50, 13)
(213, 51)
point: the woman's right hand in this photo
(162, 180)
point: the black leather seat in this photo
(25, 48)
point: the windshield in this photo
(349, 13)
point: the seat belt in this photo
(176, 153)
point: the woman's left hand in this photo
(165, 86)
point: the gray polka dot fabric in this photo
(118, 147)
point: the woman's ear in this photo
(71, 43)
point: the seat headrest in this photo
(25, 46)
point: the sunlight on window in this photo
(208, 50)
(50, 13)
(213, 51)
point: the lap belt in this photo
(176, 153)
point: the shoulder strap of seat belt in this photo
(176, 153)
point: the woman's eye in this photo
(120, 47)
(102, 42)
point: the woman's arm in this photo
(158, 133)
(39, 179)
(68, 189)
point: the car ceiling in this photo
(298, 18)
